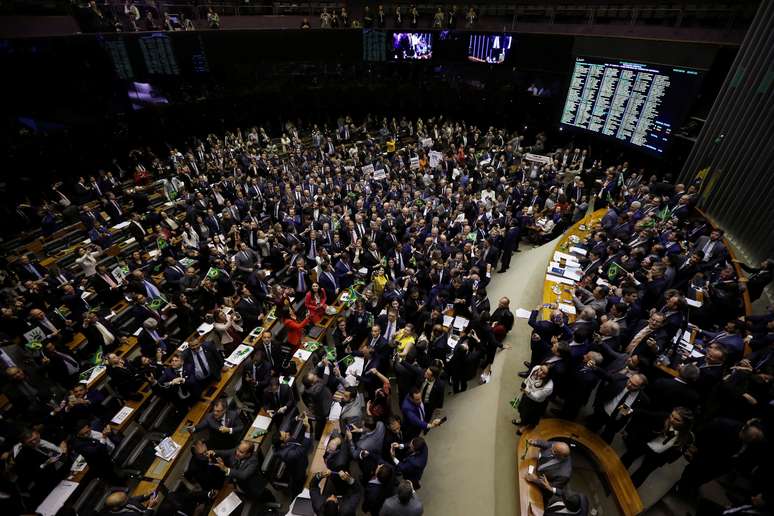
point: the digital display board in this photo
(635, 103)
(489, 48)
(412, 45)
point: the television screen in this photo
(635, 103)
(412, 45)
(142, 94)
(489, 48)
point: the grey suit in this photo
(245, 472)
(246, 260)
(219, 439)
(393, 507)
(717, 250)
(557, 470)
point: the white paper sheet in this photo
(239, 354)
(693, 303)
(121, 415)
(228, 505)
(460, 323)
(57, 498)
(335, 413)
(302, 355)
(578, 250)
(261, 422)
(557, 279)
(448, 321)
(522, 313)
(568, 309)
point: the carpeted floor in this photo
(472, 466)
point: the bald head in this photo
(115, 500)
(561, 450)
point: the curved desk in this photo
(613, 472)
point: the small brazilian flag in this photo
(612, 272)
(330, 353)
(347, 361)
(213, 273)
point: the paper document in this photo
(261, 422)
(287, 380)
(448, 321)
(228, 505)
(79, 464)
(693, 302)
(573, 274)
(522, 313)
(559, 256)
(167, 449)
(557, 279)
(460, 323)
(121, 415)
(335, 413)
(568, 309)
(578, 250)
(452, 341)
(239, 354)
(204, 328)
(57, 498)
(122, 225)
(302, 355)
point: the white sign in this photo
(380, 174)
(538, 158)
(414, 163)
(435, 158)
(367, 169)
(426, 142)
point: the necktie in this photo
(202, 363)
(269, 357)
(301, 282)
(425, 388)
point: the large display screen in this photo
(635, 103)
(489, 48)
(412, 45)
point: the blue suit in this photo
(414, 418)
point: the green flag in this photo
(612, 272)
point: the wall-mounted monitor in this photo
(408, 46)
(635, 103)
(489, 48)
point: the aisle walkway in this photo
(472, 469)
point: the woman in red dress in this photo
(315, 302)
(295, 328)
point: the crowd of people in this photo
(661, 351)
(413, 218)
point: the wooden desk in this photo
(616, 475)
(549, 297)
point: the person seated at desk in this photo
(225, 425)
(560, 501)
(732, 338)
(294, 454)
(343, 501)
(96, 447)
(554, 461)
(205, 360)
(81, 403)
(59, 366)
(119, 503)
(39, 464)
(126, 378)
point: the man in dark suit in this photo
(173, 273)
(225, 426)
(293, 452)
(615, 402)
(414, 414)
(712, 246)
(668, 393)
(60, 367)
(30, 270)
(178, 383)
(344, 499)
(298, 278)
(554, 461)
(649, 338)
(328, 281)
(204, 359)
(412, 466)
(278, 398)
(31, 400)
(379, 344)
(39, 464)
(96, 448)
(137, 230)
(408, 373)
(433, 390)
(249, 308)
(241, 466)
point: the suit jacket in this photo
(557, 471)
(668, 393)
(214, 360)
(717, 252)
(283, 398)
(413, 466)
(414, 418)
(393, 507)
(294, 454)
(245, 472)
(230, 419)
(350, 498)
